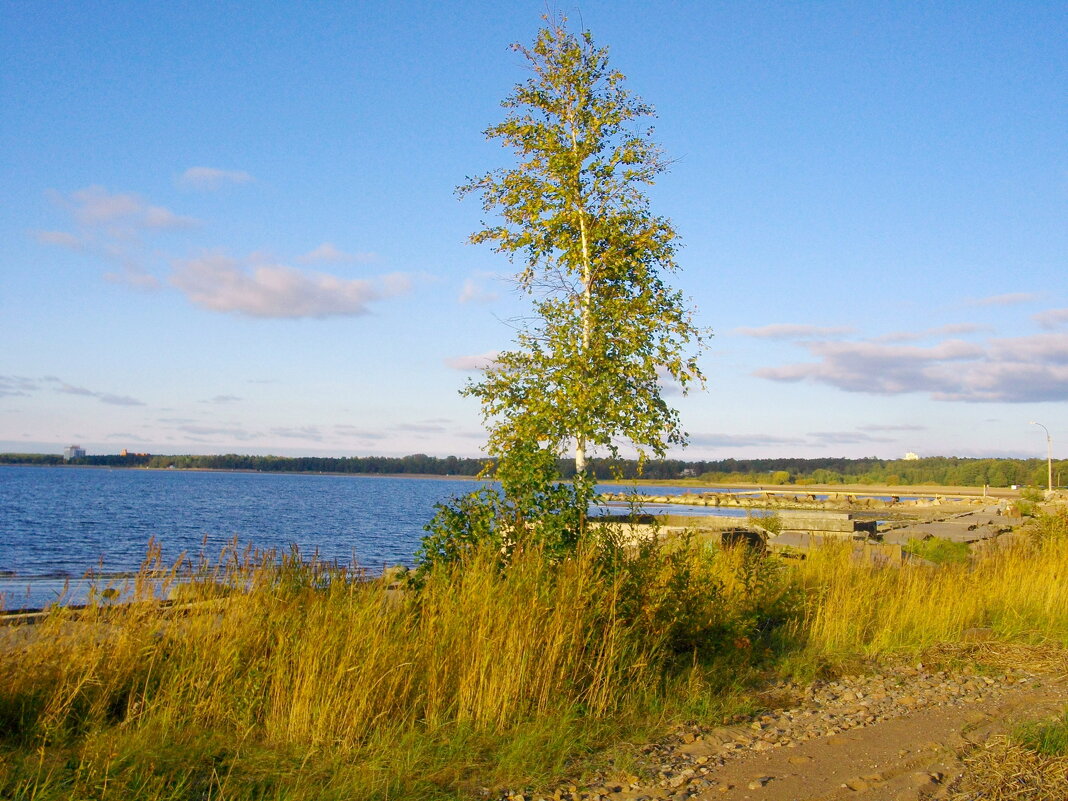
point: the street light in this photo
(1049, 453)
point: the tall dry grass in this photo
(399, 691)
(289, 680)
(852, 609)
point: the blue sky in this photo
(232, 227)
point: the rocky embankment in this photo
(832, 501)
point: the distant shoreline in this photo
(243, 470)
(688, 483)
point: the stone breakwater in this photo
(682, 765)
(780, 500)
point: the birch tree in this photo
(587, 370)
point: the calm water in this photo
(56, 524)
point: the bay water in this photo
(58, 524)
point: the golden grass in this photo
(314, 666)
(299, 681)
(1007, 771)
(1020, 593)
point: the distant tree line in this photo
(418, 463)
(943, 470)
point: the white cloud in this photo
(210, 178)
(233, 431)
(103, 397)
(133, 275)
(426, 427)
(844, 438)
(220, 399)
(13, 385)
(112, 226)
(929, 333)
(1052, 318)
(473, 292)
(903, 427)
(257, 289)
(720, 440)
(469, 363)
(122, 212)
(304, 432)
(1009, 299)
(346, 430)
(1011, 370)
(60, 239)
(328, 252)
(394, 284)
(792, 331)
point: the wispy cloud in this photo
(346, 430)
(420, 428)
(16, 386)
(793, 331)
(1009, 299)
(1051, 318)
(222, 399)
(1010, 370)
(59, 239)
(121, 212)
(473, 292)
(720, 440)
(232, 431)
(103, 397)
(470, 363)
(950, 329)
(845, 438)
(329, 253)
(113, 227)
(901, 427)
(125, 437)
(211, 178)
(258, 289)
(132, 274)
(303, 432)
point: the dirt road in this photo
(901, 734)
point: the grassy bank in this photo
(297, 681)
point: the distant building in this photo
(911, 457)
(73, 452)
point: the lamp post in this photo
(1049, 453)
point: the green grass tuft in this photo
(938, 551)
(1048, 739)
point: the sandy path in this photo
(908, 758)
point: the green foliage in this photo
(1026, 508)
(770, 522)
(938, 550)
(545, 518)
